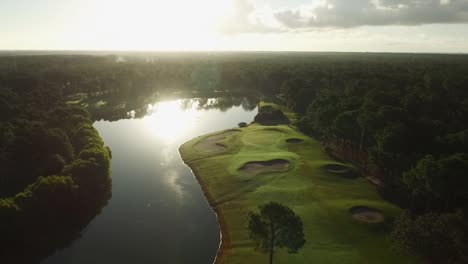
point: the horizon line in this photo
(219, 51)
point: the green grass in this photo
(321, 199)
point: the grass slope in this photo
(320, 198)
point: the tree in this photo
(276, 226)
(270, 116)
(444, 179)
(439, 238)
(345, 125)
(242, 124)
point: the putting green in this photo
(321, 199)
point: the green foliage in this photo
(206, 77)
(419, 178)
(40, 211)
(453, 181)
(276, 226)
(345, 125)
(392, 146)
(98, 154)
(52, 194)
(89, 173)
(454, 142)
(84, 135)
(269, 116)
(59, 143)
(242, 124)
(8, 209)
(6, 134)
(410, 121)
(444, 179)
(10, 212)
(438, 238)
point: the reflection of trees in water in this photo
(223, 103)
(249, 103)
(137, 107)
(37, 234)
(118, 107)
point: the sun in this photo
(157, 24)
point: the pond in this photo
(157, 213)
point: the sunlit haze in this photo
(168, 120)
(298, 25)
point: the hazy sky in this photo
(315, 25)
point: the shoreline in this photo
(224, 238)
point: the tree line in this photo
(410, 114)
(54, 171)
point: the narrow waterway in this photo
(157, 213)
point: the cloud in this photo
(354, 13)
(291, 18)
(246, 18)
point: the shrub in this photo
(242, 124)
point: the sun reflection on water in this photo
(173, 181)
(170, 120)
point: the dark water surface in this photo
(157, 213)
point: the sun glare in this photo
(157, 24)
(168, 120)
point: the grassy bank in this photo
(320, 198)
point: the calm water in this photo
(157, 213)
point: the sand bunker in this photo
(337, 168)
(210, 144)
(341, 170)
(294, 140)
(257, 167)
(367, 214)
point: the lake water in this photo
(157, 213)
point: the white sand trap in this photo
(257, 167)
(210, 144)
(367, 214)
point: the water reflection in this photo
(40, 238)
(157, 211)
(223, 103)
(174, 183)
(116, 108)
(169, 120)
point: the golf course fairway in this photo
(249, 166)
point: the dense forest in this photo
(406, 115)
(408, 120)
(54, 170)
